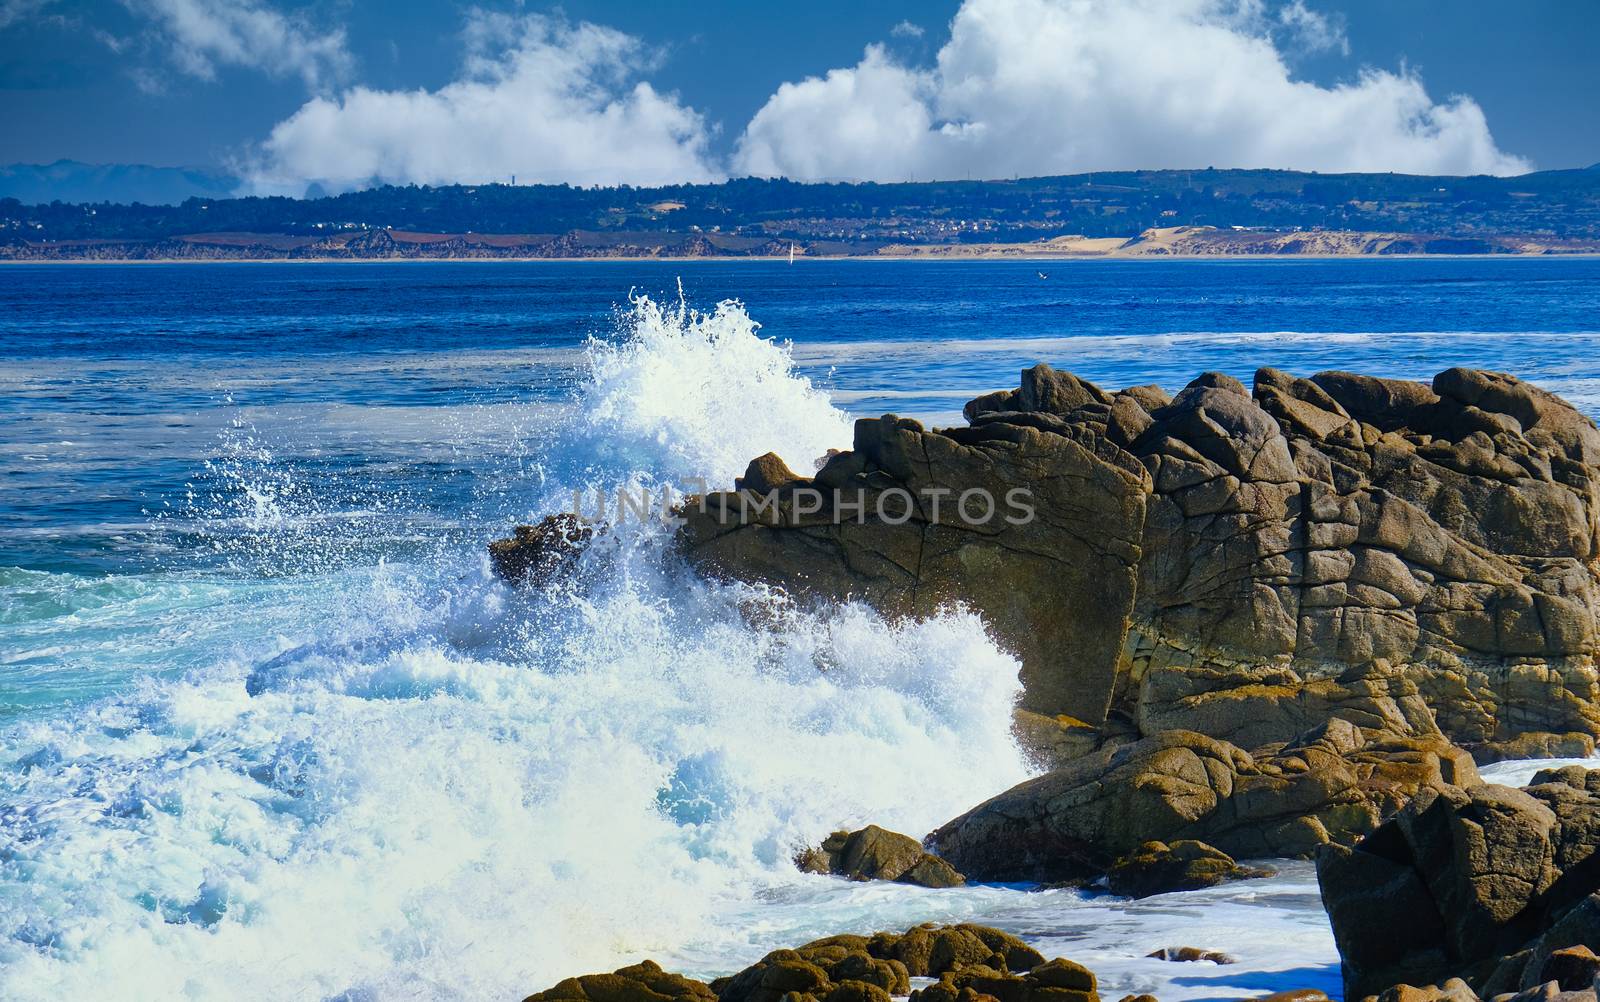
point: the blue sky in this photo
(352, 91)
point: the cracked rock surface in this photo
(1242, 563)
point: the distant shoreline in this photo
(878, 258)
(1200, 243)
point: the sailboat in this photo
(791, 253)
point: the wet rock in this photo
(1243, 563)
(874, 853)
(1572, 969)
(642, 982)
(855, 965)
(1057, 981)
(536, 554)
(1454, 990)
(1185, 865)
(1487, 884)
(1191, 955)
(1332, 784)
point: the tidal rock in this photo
(859, 966)
(1487, 884)
(1192, 955)
(536, 554)
(1056, 981)
(1244, 563)
(1332, 784)
(1185, 865)
(643, 982)
(1454, 990)
(874, 853)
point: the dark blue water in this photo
(269, 728)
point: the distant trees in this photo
(1100, 204)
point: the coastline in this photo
(881, 258)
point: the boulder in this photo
(874, 853)
(1454, 990)
(642, 982)
(1332, 784)
(1185, 865)
(1192, 955)
(855, 966)
(537, 554)
(1056, 981)
(1244, 563)
(1487, 884)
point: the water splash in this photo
(397, 778)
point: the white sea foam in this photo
(405, 781)
(703, 393)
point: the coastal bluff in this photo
(1243, 563)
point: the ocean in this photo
(269, 728)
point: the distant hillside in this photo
(71, 181)
(1548, 212)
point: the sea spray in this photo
(402, 779)
(702, 394)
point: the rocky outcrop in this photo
(1185, 865)
(1487, 884)
(1242, 563)
(535, 554)
(967, 961)
(1331, 785)
(642, 982)
(874, 853)
(1056, 981)
(849, 968)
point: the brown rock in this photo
(1192, 954)
(1241, 564)
(1185, 865)
(1330, 785)
(642, 982)
(538, 553)
(874, 853)
(856, 968)
(1487, 884)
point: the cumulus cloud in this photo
(537, 97)
(905, 29)
(201, 35)
(1033, 87)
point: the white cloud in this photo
(1313, 31)
(1033, 87)
(201, 35)
(905, 29)
(537, 97)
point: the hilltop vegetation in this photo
(754, 216)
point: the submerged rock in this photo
(1487, 884)
(1185, 865)
(1332, 784)
(1192, 955)
(1240, 563)
(874, 853)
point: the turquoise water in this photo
(269, 728)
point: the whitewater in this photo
(306, 746)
